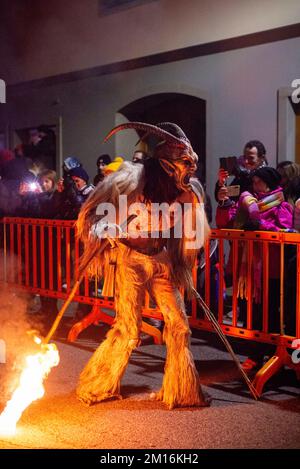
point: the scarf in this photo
(270, 201)
(264, 204)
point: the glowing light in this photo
(30, 387)
(33, 186)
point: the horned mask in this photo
(169, 144)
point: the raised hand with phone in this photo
(254, 157)
(228, 167)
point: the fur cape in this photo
(130, 180)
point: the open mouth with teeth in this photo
(185, 181)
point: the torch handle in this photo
(62, 310)
(64, 307)
(97, 250)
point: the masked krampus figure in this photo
(150, 260)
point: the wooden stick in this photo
(222, 336)
(97, 251)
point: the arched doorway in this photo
(189, 112)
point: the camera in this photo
(27, 186)
(33, 186)
(231, 165)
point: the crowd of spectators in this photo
(30, 188)
(250, 195)
(269, 200)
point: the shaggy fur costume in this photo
(102, 375)
(135, 272)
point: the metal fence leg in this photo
(97, 315)
(273, 365)
(94, 316)
(153, 331)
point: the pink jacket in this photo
(273, 219)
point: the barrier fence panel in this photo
(250, 265)
(42, 257)
(250, 281)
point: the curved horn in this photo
(150, 129)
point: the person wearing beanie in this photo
(269, 176)
(81, 180)
(265, 205)
(71, 195)
(113, 166)
(264, 209)
(79, 173)
(274, 214)
(102, 162)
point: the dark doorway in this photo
(187, 111)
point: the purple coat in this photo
(273, 219)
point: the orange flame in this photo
(31, 385)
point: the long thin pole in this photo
(98, 250)
(222, 336)
(62, 310)
(72, 294)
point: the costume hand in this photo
(104, 229)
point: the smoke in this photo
(15, 332)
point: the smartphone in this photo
(229, 164)
(234, 191)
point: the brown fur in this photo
(130, 181)
(127, 181)
(136, 272)
(102, 375)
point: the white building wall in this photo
(58, 36)
(240, 88)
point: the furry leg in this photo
(181, 386)
(102, 375)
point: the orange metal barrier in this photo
(265, 239)
(42, 257)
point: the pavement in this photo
(234, 419)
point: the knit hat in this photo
(80, 173)
(269, 175)
(105, 159)
(114, 166)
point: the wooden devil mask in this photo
(168, 143)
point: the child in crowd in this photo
(262, 209)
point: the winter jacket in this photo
(274, 219)
(69, 202)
